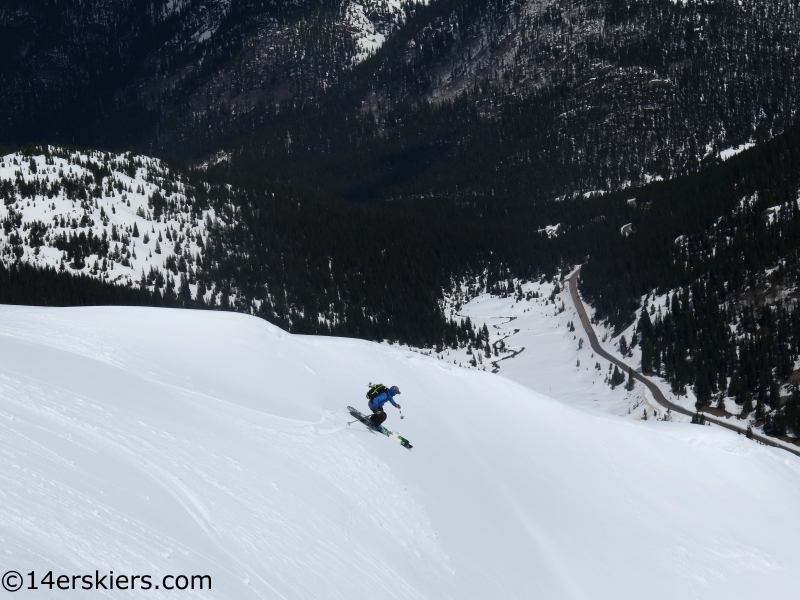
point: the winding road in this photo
(657, 393)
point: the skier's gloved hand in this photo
(398, 406)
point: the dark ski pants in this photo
(378, 417)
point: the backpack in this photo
(375, 390)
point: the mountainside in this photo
(156, 442)
(88, 212)
(469, 116)
(340, 167)
(549, 99)
(709, 274)
(135, 221)
(560, 97)
(112, 73)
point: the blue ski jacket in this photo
(381, 399)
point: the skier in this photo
(376, 405)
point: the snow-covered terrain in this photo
(731, 152)
(155, 441)
(537, 340)
(121, 218)
(370, 22)
(539, 343)
(551, 231)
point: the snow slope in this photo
(50, 200)
(185, 442)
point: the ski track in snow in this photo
(157, 441)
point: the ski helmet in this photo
(395, 389)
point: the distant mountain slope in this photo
(138, 222)
(123, 219)
(602, 94)
(159, 442)
(710, 275)
(111, 73)
(526, 99)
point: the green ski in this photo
(365, 420)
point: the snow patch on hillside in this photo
(205, 17)
(551, 231)
(731, 152)
(122, 219)
(371, 22)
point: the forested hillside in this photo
(552, 99)
(22, 283)
(113, 74)
(723, 245)
(479, 97)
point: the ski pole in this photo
(357, 420)
(401, 413)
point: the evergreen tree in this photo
(747, 404)
(617, 377)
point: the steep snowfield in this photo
(179, 442)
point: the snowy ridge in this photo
(159, 441)
(123, 219)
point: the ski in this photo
(365, 420)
